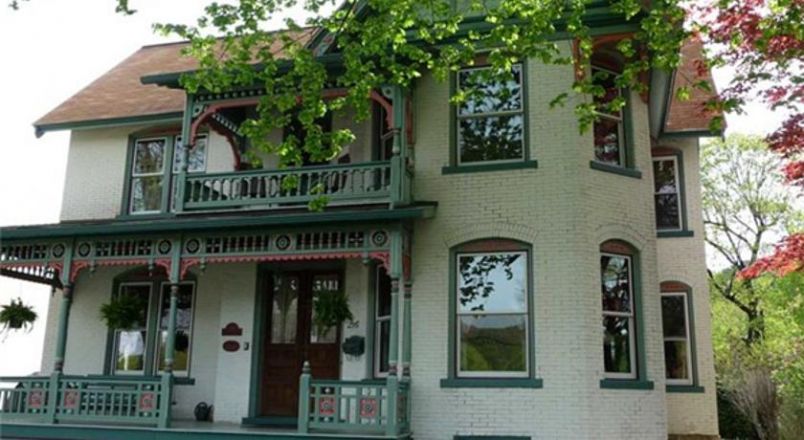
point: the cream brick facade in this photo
(564, 209)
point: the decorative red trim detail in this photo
(36, 399)
(409, 121)
(326, 406)
(163, 263)
(70, 400)
(384, 258)
(186, 264)
(76, 267)
(147, 402)
(221, 130)
(368, 407)
(406, 269)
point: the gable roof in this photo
(690, 116)
(119, 96)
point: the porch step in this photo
(180, 430)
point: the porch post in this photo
(392, 381)
(407, 330)
(181, 178)
(61, 335)
(170, 343)
(398, 159)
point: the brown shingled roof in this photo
(690, 115)
(119, 94)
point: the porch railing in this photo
(57, 398)
(354, 406)
(294, 187)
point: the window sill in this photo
(491, 383)
(458, 169)
(675, 234)
(684, 389)
(615, 169)
(183, 381)
(626, 384)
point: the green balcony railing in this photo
(354, 406)
(354, 183)
(57, 398)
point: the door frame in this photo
(261, 303)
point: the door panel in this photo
(292, 338)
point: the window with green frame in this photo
(679, 336)
(669, 195)
(490, 121)
(624, 363)
(491, 306)
(609, 127)
(155, 162)
(140, 349)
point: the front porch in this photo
(77, 261)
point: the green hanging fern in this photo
(16, 316)
(330, 310)
(124, 312)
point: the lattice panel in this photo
(31, 252)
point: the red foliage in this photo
(788, 257)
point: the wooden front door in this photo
(292, 337)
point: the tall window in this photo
(667, 193)
(609, 127)
(140, 350)
(619, 344)
(382, 321)
(149, 174)
(677, 345)
(131, 345)
(490, 121)
(492, 324)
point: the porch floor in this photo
(179, 430)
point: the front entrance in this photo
(291, 337)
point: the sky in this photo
(50, 50)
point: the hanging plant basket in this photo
(17, 316)
(330, 311)
(124, 312)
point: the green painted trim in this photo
(685, 389)
(526, 161)
(183, 381)
(89, 432)
(642, 362)
(491, 437)
(372, 322)
(628, 122)
(260, 302)
(693, 343)
(674, 234)
(491, 383)
(126, 202)
(111, 122)
(690, 134)
(626, 384)
(452, 377)
(459, 169)
(195, 223)
(271, 421)
(614, 169)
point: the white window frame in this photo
(378, 320)
(148, 337)
(687, 340)
(156, 367)
(174, 173)
(623, 143)
(631, 315)
(134, 176)
(677, 174)
(459, 117)
(458, 314)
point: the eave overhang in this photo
(204, 223)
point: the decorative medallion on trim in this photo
(147, 402)
(36, 399)
(232, 329)
(58, 250)
(282, 242)
(231, 346)
(70, 400)
(379, 238)
(84, 249)
(326, 406)
(368, 407)
(164, 247)
(192, 246)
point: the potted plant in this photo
(124, 312)
(17, 316)
(330, 310)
